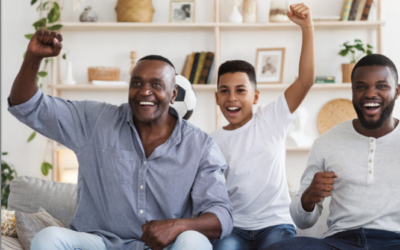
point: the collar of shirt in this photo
(173, 140)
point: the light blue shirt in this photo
(119, 189)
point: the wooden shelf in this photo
(115, 26)
(196, 87)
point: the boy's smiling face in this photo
(236, 96)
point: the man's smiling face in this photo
(152, 89)
(374, 94)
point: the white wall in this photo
(113, 49)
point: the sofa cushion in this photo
(28, 225)
(10, 243)
(28, 194)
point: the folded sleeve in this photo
(209, 191)
(69, 123)
(302, 218)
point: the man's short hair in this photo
(238, 66)
(157, 58)
(377, 60)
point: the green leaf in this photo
(40, 86)
(369, 52)
(56, 6)
(42, 74)
(4, 153)
(40, 24)
(51, 16)
(344, 52)
(24, 55)
(44, 5)
(64, 56)
(55, 27)
(45, 168)
(32, 136)
(357, 41)
(37, 79)
(33, 2)
(369, 46)
(29, 36)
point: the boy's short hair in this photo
(238, 66)
(157, 58)
(377, 60)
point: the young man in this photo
(357, 163)
(139, 182)
(254, 146)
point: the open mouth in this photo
(148, 104)
(233, 110)
(371, 108)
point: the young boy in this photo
(254, 146)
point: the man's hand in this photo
(320, 188)
(44, 43)
(300, 14)
(159, 234)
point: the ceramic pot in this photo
(346, 72)
(88, 15)
(250, 11)
(235, 16)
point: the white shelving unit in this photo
(217, 28)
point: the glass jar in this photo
(250, 11)
(278, 11)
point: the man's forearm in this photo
(25, 85)
(307, 58)
(207, 224)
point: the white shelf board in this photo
(119, 26)
(198, 87)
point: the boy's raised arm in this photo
(300, 14)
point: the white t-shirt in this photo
(256, 176)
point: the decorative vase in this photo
(235, 16)
(70, 78)
(88, 15)
(134, 11)
(278, 11)
(250, 11)
(346, 72)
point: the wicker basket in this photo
(134, 11)
(103, 74)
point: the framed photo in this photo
(182, 11)
(269, 65)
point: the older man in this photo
(143, 170)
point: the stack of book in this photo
(356, 10)
(199, 67)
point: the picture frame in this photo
(182, 11)
(269, 65)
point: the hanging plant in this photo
(8, 173)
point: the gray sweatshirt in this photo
(367, 191)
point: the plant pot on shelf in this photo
(134, 11)
(346, 72)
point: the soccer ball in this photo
(185, 101)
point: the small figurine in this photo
(88, 15)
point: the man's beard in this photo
(372, 125)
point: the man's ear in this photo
(256, 95)
(174, 94)
(216, 97)
(397, 91)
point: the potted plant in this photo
(8, 173)
(354, 52)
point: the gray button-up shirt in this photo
(119, 189)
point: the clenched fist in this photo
(44, 43)
(300, 14)
(320, 188)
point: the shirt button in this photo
(370, 160)
(141, 187)
(372, 150)
(370, 171)
(141, 211)
(372, 140)
(145, 162)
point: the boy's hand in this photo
(44, 43)
(300, 14)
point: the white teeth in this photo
(233, 108)
(147, 103)
(372, 105)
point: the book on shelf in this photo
(353, 11)
(194, 67)
(185, 65)
(206, 68)
(367, 8)
(346, 9)
(210, 78)
(189, 66)
(360, 9)
(199, 68)
(325, 79)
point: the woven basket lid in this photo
(335, 112)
